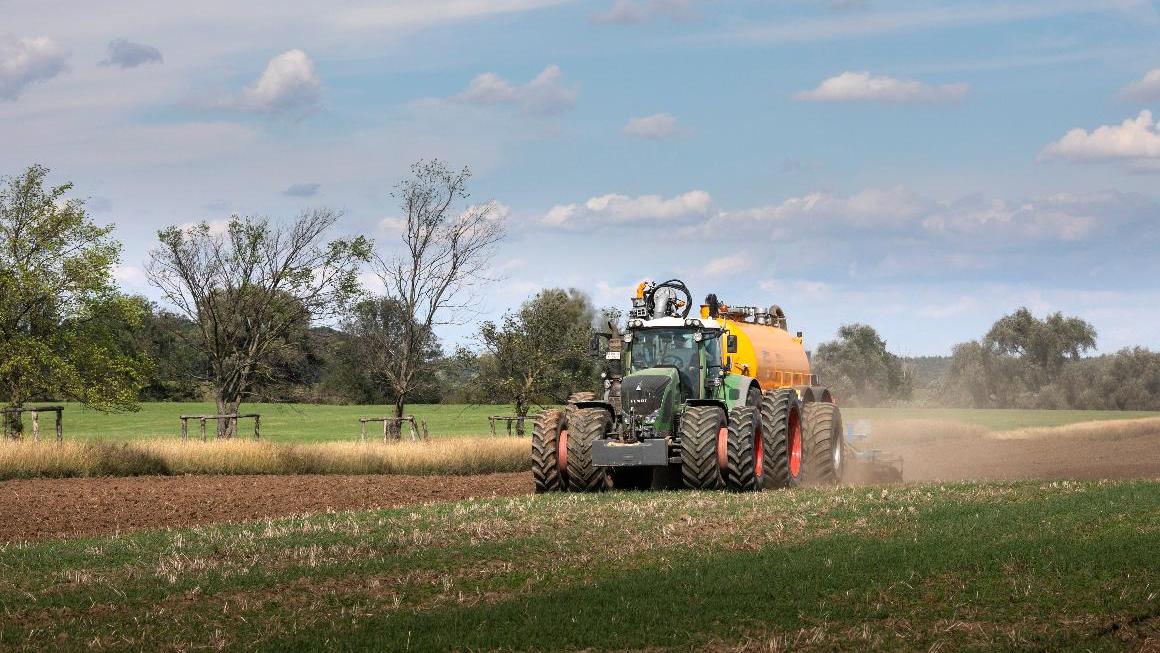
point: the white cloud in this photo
(871, 207)
(25, 61)
(289, 85)
(1145, 89)
(129, 275)
(726, 265)
(862, 86)
(657, 126)
(1135, 138)
(546, 94)
(127, 54)
(308, 189)
(622, 209)
(1060, 218)
(636, 12)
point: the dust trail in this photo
(934, 450)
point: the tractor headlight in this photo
(627, 337)
(698, 336)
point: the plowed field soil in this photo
(40, 508)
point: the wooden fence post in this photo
(202, 420)
(59, 425)
(184, 428)
(257, 427)
(35, 426)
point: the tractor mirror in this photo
(731, 344)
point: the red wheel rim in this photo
(758, 451)
(562, 450)
(723, 447)
(795, 444)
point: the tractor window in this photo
(663, 347)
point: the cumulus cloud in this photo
(25, 61)
(622, 209)
(127, 54)
(637, 12)
(657, 126)
(726, 265)
(289, 85)
(546, 94)
(309, 189)
(1134, 139)
(873, 207)
(1060, 217)
(864, 87)
(1145, 89)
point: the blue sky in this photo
(924, 168)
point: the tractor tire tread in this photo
(700, 426)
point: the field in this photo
(1024, 566)
(318, 423)
(1040, 537)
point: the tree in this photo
(1044, 345)
(60, 310)
(246, 288)
(376, 326)
(539, 353)
(859, 368)
(445, 255)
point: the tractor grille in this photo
(642, 394)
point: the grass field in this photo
(1028, 566)
(320, 423)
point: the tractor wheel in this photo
(743, 469)
(781, 430)
(823, 444)
(547, 437)
(703, 436)
(585, 426)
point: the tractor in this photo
(723, 399)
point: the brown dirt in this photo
(938, 451)
(43, 508)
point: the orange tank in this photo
(769, 354)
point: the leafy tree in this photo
(371, 359)
(446, 252)
(539, 354)
(859, 368)
(250, 286)
(60, 310)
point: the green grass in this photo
(322, 423)
(1026, 566)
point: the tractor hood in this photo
(649, 394)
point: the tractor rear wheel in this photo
(703, 441)
(744, 467)
(823, 444)
(586, 426)
(547, 473)
(781, 426)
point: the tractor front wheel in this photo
(744, 467)
(586, 426)
(703, 442)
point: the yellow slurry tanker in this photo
(722, 397)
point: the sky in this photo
(924, 168)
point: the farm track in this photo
(71, 507)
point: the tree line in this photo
(276, 311)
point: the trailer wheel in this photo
(743, 471)
(547, 473)
(823, 444)
(704, 436)
(585, 426)
(781, 425)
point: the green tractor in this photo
(724, 399)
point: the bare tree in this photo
(446, 252)
(246, 286)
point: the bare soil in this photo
(69, 507)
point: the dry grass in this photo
(1111, 429)
(23, 459)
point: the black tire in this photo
(546, 473)
(700, 467)
(781, 413)
(741, 470)
(822, 447)
(585, 426)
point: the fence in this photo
(36, 411)
(510, 419)
(393, 428)
(203, 418)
